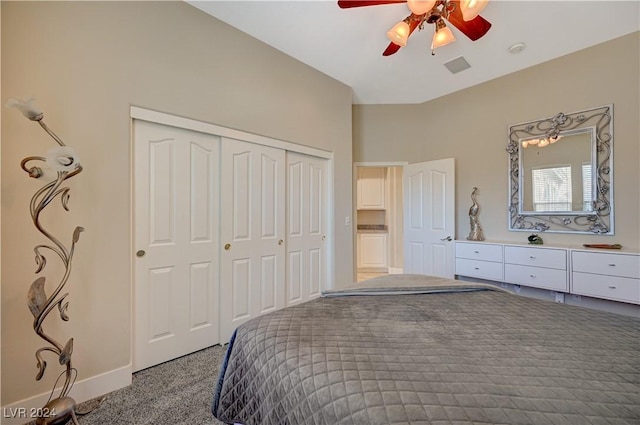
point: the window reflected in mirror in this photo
(554, 178)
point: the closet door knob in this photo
(324, 237)
(227, 247)
(280, 242)
(141, 253)
(448, 239)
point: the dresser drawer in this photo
(537, 257)
(537, 277)
(610, 287)
(478, 251)
(481, 269)
(622, 265)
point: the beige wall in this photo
(471, 126)
(87, 62)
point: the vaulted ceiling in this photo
(347, 44)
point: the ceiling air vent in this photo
(456, 65)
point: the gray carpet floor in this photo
(172, 393)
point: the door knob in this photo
(324, 237)
(227, 247)
(448, 238)
(140, 253)
(280, 242)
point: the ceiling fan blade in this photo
(346, 4)
(392, 48)
(474, 29)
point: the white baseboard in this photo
(395, 270)
(19, 413)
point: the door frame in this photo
(354, 213)
(144, 114)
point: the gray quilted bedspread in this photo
(449, 357)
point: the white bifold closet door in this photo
(252, 269)
(306, 227)
(176, 241)
(224, 230)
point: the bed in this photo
(412, 349)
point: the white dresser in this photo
(539, 267)
(479, 260)
(611, 275)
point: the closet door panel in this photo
(306, 227)
(252, 232)
(176, 205)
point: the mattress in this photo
(420, 350)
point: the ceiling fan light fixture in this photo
(472, 8)
(442, 36)
(420, 7)
(399, 33)
(430, 12)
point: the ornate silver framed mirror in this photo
(561, 173)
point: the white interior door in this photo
(429, 218)
(176, 204)
(252, 231)
(306, 227)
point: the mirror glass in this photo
(561, 173)
(558, 177)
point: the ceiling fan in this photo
(462, 14)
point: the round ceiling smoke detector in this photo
(517, 48)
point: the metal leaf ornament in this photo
(65, 162)
(65, 356)
(41, 260)
(37, 297)
(65, 198)
(42, 366)
(62, 308)
(76, 234)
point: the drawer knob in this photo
(477, 268)
(532, 257)
(612, 287)
(477, 252)
(612, 265)
(532, 275)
